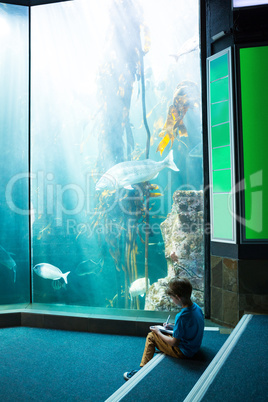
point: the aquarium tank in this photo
(14, 162)
(102, 177)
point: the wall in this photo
(239, 274)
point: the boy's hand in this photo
(155, 329)
(168, 326)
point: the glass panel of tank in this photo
(14, 232)
(116, 152)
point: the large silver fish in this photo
(125, 174)
(48, 271)
(7, 261)
(138, 287)
(189, 46)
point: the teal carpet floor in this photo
(173, 379)
(243, 377)
(52, 365)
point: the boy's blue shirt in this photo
(189, 329)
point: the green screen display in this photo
(222, 181)
(219, 90)
(221, 147)
(219, 113)
(221, 158)
(220, 135)
(219, 67)
(222, 217)
(254, 102)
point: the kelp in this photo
(185, 97)
(128, 41)
(115, 81)
(147, 194)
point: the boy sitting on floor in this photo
(188, 329)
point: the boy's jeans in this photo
(154, 341)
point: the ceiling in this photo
(31, 2)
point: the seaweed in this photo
(185, 97)
(124, 63)
(147, 194)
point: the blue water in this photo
(86, 95)
(14, 235)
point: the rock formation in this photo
(182, 233)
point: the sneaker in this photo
(129, 374)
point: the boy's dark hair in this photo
(180, 287)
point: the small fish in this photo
(154, 187)
(160, 246)
(138, 287)
(48, 271)
(125, 174)
(89, 267)
(189, 46)
(154, 195)
(7, 261)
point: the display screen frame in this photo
(248, 3)
(241, 187)
(214, 195)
